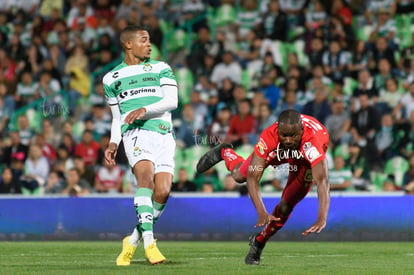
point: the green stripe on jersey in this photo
(137, 103)
(155, 125)
(168, 73)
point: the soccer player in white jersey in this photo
(141, 94)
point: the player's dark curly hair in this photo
(290, 116)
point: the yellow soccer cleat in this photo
(128, 251)
(153, 255)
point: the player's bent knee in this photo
(162, 188)
(145, 181)
(162, 191)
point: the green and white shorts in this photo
(158, 148)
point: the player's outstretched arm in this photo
(254, 174)
(320, 177)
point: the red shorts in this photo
(299, 181)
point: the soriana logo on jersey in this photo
(261, 145)
(311, 152)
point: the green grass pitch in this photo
(209, 258)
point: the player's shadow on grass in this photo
(145, 262)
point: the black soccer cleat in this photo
(212, 157)
(256, 248)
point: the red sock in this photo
(270, 229)
(231, 158)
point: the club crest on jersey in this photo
(261, 145)
(137, 152)
(147, 67)
(307, 145)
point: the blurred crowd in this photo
(238, 63)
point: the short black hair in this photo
(290, 116)
(129, 31)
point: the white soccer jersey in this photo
(136, 86)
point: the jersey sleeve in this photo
(110, 96)
(167, 76)
(266, 144)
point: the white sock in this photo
(134, 238)
(148, 238)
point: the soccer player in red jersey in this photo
(296, 139)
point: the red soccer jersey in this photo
(88, 153)
(312, 149)
(241, 127)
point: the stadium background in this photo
(63, 97)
